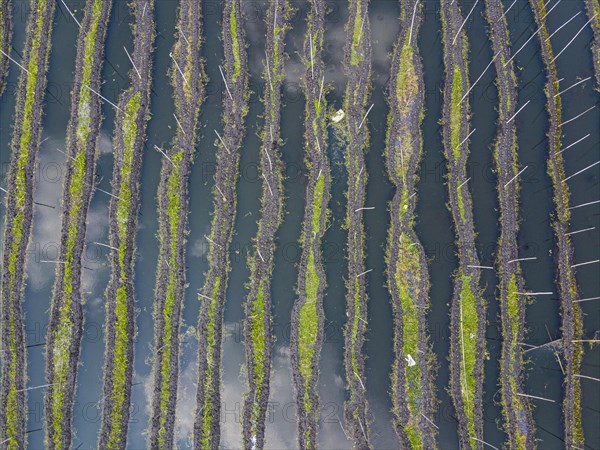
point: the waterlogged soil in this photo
(433, 223)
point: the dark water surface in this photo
(434, 225)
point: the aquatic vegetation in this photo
(258, 322)
(130, 136)
(307, 313)
(412, 390)
(18, 220)
(467, 310)
(212, 297)
(571, 316)
(518, 421)
(188, 80)
(66, 319)
(5, 39)
(354, 129)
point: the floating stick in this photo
(221, 192)
(222, 141)
(259, 254)
(179, 123)
(516, 176)
(268, 70)
(268, 185)
(132, 63)
(586, 299)
(463, 183)
(504, 14)
(530, 37)
(321, 91)
(269, 158)
(15, 61)
(480, 76)
(412, 22)
(578, 116)
(479, 440)
(574, 143)
(586, 377)
(43, 204)
(103, 98)
(465, 139)
(165, 155)
(573, 85)
(68, 156)
(108, 193)
(3, 190)
(211, 241)
(35, 387)
(536, 397)
(585, 204)
(574, 37)
(465, 21)
(586, 263)
(364, 208)
(104, 245)
(225, 81)
(581, 171)
(580, 231)
(480, 267)
(359, 379)
(76, 21)
(183, 36)
(362, 25)
(563, 25)
(428, 420)
(364, 273)
(364, 118)
(179, 68)
(311, 55)
(534, 293)
(520, 109)
(521, 259)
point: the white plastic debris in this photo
(409, 359)
(339, 115)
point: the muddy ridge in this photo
(128, 149)
(315, 145)
(207, 432)
(18, 218)
(188, 81)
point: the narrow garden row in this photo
(354, 130)
(571, 316)
(65, 326)
(130, 137)
(413, 367)
(518, 421)
(207, 433)
(189, 82)
(18, 217)
(258, 336)
(307, 320)
(467, 310)
(5, 40)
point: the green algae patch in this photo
(456, 111)
(469, 326)
(408, 273)
(407, 86)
